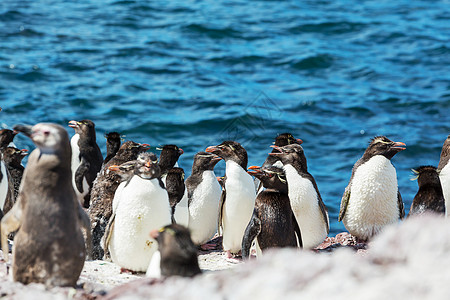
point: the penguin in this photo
(306, 202)
(204, 192)
(143, 206)
(103, 190)
(430, 197)
(87, 159)
(177, 252)
(6, 183)
(49, 246)
(443, 170)
(238, 196)
(13, 162)
(281, 140)
(372, 199)
(168, 159)
(175, 188)
(113, 141)
(273, 223)
(7, 137)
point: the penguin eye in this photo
(46, 132)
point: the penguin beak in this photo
(154, 233)
(211, 149)
(299, 141)
(145, 146)
(113, 168)
(24, 152)
(280, 149)
(399, 146)
(180, 151)
(148, 164)
(216, 159)
(25, 129)
(73, 124)
(252, 170)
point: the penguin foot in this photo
(208, 246)
(127, 271)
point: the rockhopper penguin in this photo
(87, 159)
(429, 198)
(204, 193)
(143, 206)
(372, 199)
(103, 191)
(113, 141)
(49, 247)
(238, 196)
(273, 223)
(306, 202)
(13, 162)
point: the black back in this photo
(430, 196)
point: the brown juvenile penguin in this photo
(49, 247)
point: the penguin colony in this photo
(139, 210)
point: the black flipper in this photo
(251, 232)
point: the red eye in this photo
(46, 132)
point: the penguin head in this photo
(292, 154)
(381, 145)
(125, 170)
(426, 175)
(13, 155)
(272, 177)
(6, 137)
(205, 161)
(178, 252)
(286, 139)
(113, 136)
(147, 166)
(83, 127)
(48, 137)
(132, 149)
(169, 157)
(230, 150)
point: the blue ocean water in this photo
(193, 73)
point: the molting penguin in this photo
(273, 223)
(443, 170)
(49, 247)
(143, 206)
(429, 198)
(113, 141)
(178, 254)
(306, 202)
(103, 190)
(13, 161)
(372, 199)
(238, 196)
(6, 183)
(204, 192)
(87, 159)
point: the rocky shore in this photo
(409, 260)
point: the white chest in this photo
(142, 207)
(444, 177)
(3, 185)
(238, 207)
(373, 198)
(204, 208)
(75, 153)
(305, 205)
